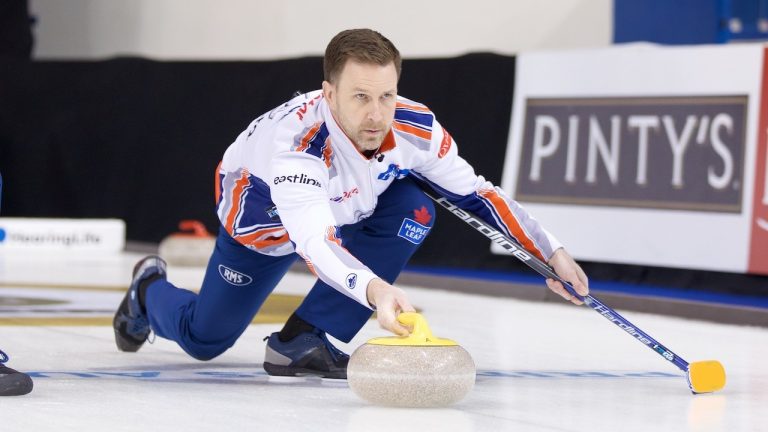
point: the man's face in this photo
(362, 101)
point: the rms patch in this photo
(413, 231)
(234, 277)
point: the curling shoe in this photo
(13, 382)
(131, 323)
(309, 353)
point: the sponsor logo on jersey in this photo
(393, 170)
(413, 231)
(346, 195)
(351, 280)
(296, 178)
(234, 277)
(305, 106)
(445, 144)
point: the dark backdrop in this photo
(139, 140)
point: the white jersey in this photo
(293, 177)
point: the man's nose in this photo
(375, 114)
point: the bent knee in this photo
(205, 352)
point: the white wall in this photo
(260, 29)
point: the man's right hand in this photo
(389, 301)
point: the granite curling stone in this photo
(418, 370)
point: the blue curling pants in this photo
(207, 324)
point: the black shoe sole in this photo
(15, 384)
(123, 340)
(292, 371)
(124, 343)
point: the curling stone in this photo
(190, 247)
(418, 370)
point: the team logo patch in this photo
(413, 231)
(234, 277)
(422, 215)
(272, 213)
(393, 170)
(351, 280)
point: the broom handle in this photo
(545, 270)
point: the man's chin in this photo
(369, 144)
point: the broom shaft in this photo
(545, 270)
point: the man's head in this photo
(361, 69)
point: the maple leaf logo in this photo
(422, 216)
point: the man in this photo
(330, 176)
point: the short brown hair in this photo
(361, 45)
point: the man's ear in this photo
(329, 92)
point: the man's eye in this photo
(360, 96)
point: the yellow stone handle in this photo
(420, 335)
(420, 329)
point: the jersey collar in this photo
(346, 146)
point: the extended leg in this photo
(237, 281)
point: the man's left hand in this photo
(566, 268)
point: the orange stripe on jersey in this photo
(502, 208)
(411, 107)
(310, 266)
(330, 235)
(264, 237)
(237, 196)
(217, 184)
(304, 143)
(403, 127)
